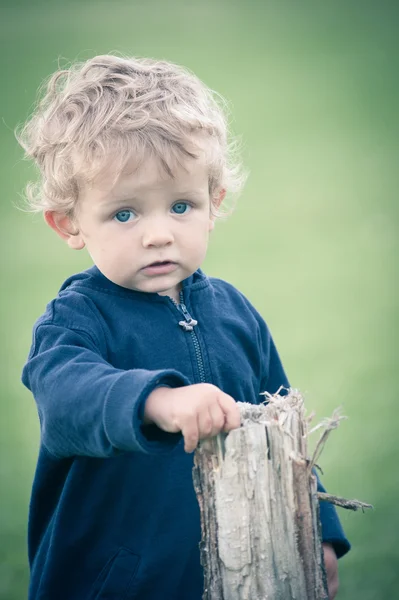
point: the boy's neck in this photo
(174, 293)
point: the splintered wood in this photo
(259, 508)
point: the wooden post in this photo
(259, 508)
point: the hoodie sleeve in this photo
(273, 377)
(332, 531)
(86, 406)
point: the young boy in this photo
(142, 355)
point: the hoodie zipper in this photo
(188, 325)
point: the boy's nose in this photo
(157, 235)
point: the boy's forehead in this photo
(188, 174)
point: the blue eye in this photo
(123, 216)
(180, 208)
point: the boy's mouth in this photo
(158, 263)
(159, 267)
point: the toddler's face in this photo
(148, 231)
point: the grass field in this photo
(314, 92)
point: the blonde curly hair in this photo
(111, 110)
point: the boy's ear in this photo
(65, 228)
(219, 198)
(216, 201)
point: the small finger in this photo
(205, 424)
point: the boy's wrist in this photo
(151, 404)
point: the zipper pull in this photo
(189, 323)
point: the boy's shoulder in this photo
(230, 293)
(73, 307)
(222, 286)
(234, 305)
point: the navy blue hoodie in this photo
(113, 513)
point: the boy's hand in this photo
(199, 411)
(331, 565)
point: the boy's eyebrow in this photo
(113, 200)
(189, 193)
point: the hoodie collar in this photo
(93, 278)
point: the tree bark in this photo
(259, 508)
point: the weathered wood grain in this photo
(259, 508)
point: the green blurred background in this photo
(313, 88)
